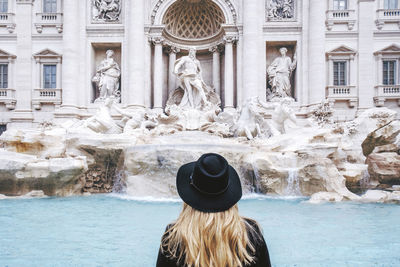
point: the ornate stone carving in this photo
(107, 78)
(279, 73)
(281, 10)
(193, 20)
(157, 39)
(159, 3)
(106, 10)
(230, 39)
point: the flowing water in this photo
(293, 187)
(116, 230)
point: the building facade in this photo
(346, 51)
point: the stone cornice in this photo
(25, 2)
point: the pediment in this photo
(47, 53)
(392, 49)
(4, 54)
(342, 50)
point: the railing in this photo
(389, 12)
(340, 17)
(391, 91)
(47, 95)
(49, 20)
(341, 91)
(347, 93)
(7, 93)
(7, 20)
(7, 96)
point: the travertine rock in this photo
(381, 136)
(384, 167)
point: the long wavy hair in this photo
(200, 239)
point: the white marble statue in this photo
(248, 124)
(102, 122)
(107, 78)
(279, 73)
(106, 10)
(283, 117)
(189, 72)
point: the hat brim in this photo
(204, 202)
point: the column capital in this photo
(215, 49)
(157, 40)
(230, 39)
(170, 49)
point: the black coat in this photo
(261, 253)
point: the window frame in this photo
(2, 4)
(53, 6)
(390, 4)
(2, 82)
(336, 4)
(340, 72)
(52, 75)
(387, 80)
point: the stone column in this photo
(136, 43)
(147, 80)
(23, 115)
(366, 60)
(158, 72)
(316, 51)
(171, 76)
(250, 49)
(379, 63)
(216, 70)
(229, 85)
(330, 71)
(353, 71)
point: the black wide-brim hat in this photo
(209, 184)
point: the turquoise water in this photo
(106, 230)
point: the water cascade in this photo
(293, 183)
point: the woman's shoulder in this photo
(253, 224)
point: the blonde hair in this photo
(209, 239)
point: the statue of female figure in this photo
(279, 73)
(107, 77)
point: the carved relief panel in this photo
(280, 10)
(106, 11)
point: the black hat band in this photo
(208, 193)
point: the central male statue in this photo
(189, 72)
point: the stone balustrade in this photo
(8, 20)
(387, 16)
(48, 96)
(340, 17)
(347, 93)
(385, 92)
(49, 20)
(7, 97)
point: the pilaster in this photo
(316, 50)
(365, 54)
(23, 113)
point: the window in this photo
(339, 73)
(389, 72)
(3, 6)
(49, 6)
(391, 4)
(49, 76)
(3, 75)
(339, 4)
